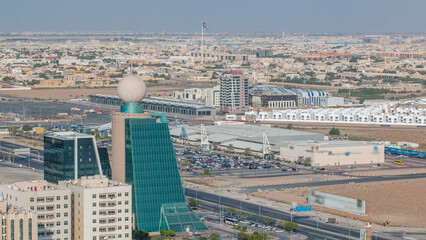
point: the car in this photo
(245, 221)
(279, 230)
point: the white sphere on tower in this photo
(131, 89)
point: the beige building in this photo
(17, 222)
(51, 203)
(333, 153)
(102, 208)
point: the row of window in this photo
(48, 199)
(104, 195)
(110, 229)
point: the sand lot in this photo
(402, 203)
(388, 172)
(251, 182)
(10, 173)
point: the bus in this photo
(230, 221)
(398, 162)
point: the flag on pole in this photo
(205, 25)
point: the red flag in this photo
(205, 25)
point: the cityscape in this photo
(209, 131)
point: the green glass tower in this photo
(143, 155)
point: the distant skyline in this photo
(221, 15)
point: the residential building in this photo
(213, 97)
(234, 93)
(51, 203)
(101, 208)
(17, 222)
(71, 155)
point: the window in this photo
(126, 227)
(21, 229)
(94, 213)
(65, 214)
(58, 223)
(65, 231)
(65, 205)
(126, 202)
(65, 197)
(119, 194)
(119, 210)
(65, 223)
(126, 194)
(126, 211)
(126, 219)
(58, 198)
(32, 199)
(94, 196)
(94, 204)
(32, 207)
(12, 229)
(119, 202)
(58, 231)
(58, 215)
(94, 229)
(94, 238)
(94, 221)
(119, 219)
(58, 206)
(30, 228)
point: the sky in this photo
(220, 15)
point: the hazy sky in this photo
(220, 15)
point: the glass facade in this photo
(178, 218)
(152, 170)
(59, 158)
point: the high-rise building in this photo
(101, 208)
(143, 155)
(70, 155)
(234, 93)
(51, 203)
(17, 222)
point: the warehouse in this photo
(334, 153)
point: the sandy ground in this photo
(252, 182)
(388, 172)
(409, 134)
(10, 173)
(72, 93)
(399, 202)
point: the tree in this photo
(244, 228)
(192, 202)
(290, 226)
(307, 161)
(231, 211)
(300, 160)
(12, 130)
(231, 148)
(247, 152)
(206, 171)
(214, 236)
(267, 220)
(27, 127)
(243, 236)
(334, 131)
(141, 235)
(289, 126)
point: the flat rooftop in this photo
(32, 186)
(69, 135)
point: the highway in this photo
(334, 182)
(308, 225)
(36, 155)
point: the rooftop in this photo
(32, 186)
(69, 135)
(97, 181)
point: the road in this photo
(36, 155)
(334, 182)
(308, 225)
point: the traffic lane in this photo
(262, 210)
(215, 208)
(336, 182)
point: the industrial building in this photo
(72, 155)
(334, 153)
(51, 203)
(304, 96)
(242, 136)
(160, 105)
(102, 208)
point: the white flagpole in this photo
(202, 42)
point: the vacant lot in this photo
(402, 203)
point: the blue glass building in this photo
(69, 155)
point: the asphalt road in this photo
(273, 213)
(334, 182)
(36, 157)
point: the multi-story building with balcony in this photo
(102, 208)
(51, 203)
(17, 222)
